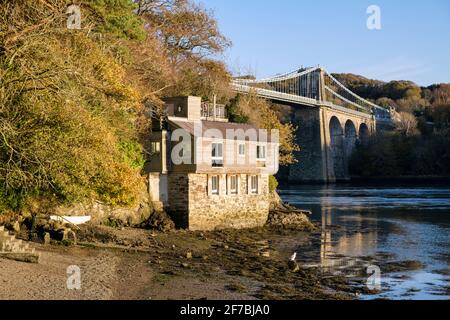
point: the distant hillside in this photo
(425, 151)
(403, 95)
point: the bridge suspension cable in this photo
(311, 86)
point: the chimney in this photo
(184, 107)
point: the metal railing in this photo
(211, 111)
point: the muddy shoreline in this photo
(128, 263)
(132, 263)
(250, 264)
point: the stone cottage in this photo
(209, 173)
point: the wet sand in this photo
(140, 264)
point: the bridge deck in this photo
(295, 99)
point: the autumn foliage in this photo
(74, 102)
(251, 109)
(67, 115)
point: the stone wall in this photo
(178, 201)
(208, 212)
(309, 136)
(323, 156)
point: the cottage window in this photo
(233, 188)
(254, 184)
(155, 147)
(242, 149)
(261, 152)
(217, 154)
(215, 185)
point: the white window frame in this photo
(258, 148)
(230, 190)
(216, 157)
(254, 190)
(155, 147)
(215, 192)
(239, 149)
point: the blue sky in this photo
(276, 36)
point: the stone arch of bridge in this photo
(337, 147)
(351, 136)
(364, 133)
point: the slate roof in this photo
(189, 126)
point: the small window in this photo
(215, 185)
(242, 149)
(254, 184)
(261, 152)
(155, 147)
(233, 185)
(217, 154)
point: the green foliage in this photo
(273, 184)
(132, 154)
(63, 243)
(234, 113)
(9, 200)
(118, 19)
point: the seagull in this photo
(292, 264)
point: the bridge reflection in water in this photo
(342, 251)
(346, 247)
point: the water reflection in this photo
(361, 226)
(342, 249)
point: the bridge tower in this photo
(330, 120)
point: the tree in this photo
(441, 115)
(189, 37)
(67, 113)
(441, 94)
(257, 111)
(386, 102)
(412, 104)
(185, 27)
(406, 123)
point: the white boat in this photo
(76, 220)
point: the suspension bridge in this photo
(330, 118)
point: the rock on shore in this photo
(288, 217)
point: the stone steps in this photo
(16, 249)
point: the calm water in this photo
(374, 225)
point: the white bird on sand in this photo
(292, 264)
